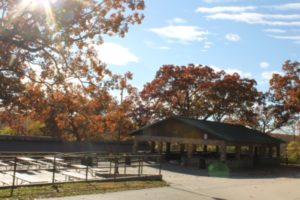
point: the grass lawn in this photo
(71, 189)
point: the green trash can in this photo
(218, 169)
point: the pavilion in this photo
(197, 140)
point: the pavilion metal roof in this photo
(224, 131)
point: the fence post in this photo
(160, 160)
(125, 166)
(54, 169)
(116, 167)
(87, 159)
(14, 177)
(86, 172)
(109, 165)
(142, 165)
(139, 169)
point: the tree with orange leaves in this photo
(198, 92)
(50, 66)
(286, 87)
(179, 90)
(285, 91)
(233, 97)
(51, 42)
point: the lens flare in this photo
(43, 6)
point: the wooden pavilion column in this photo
(251, 151)
(160, 147)
(194, 148)
(270, 152)
(260, 151)
(278, 151)
(223, 151)
(182, 147)
(168, 148)
(217, 149)
(135, 146)
(189, 151)
(152, 147)
(264, 152)
(238, 152)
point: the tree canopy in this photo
(52, 81)
(50, 75)
(199, 92)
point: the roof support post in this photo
(190, 151)
(152, 147)
(217, 149)
(223, 151)
(238, 152)
(189, 154)
(135, 145)
(278, 150)
(263, 151)
(270, 152)
(168, 147)
(160, 147)
(251, 151)
(194, 148)
(182, 148)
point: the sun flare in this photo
(44, 6)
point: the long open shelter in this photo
(200, 142)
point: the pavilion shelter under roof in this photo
(196, 140)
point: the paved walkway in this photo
(192, 184)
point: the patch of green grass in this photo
(72, 189)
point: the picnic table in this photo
(58, 161)
(30, 161)
(92, 170)
(73, 175)
(52, 158)
(5, 165)
(27, 159)
(29, 179)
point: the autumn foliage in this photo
(198, 92)
(53, 83)
(51, 80)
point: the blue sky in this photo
(252, 37)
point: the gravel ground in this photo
(192, 184)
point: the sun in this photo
(35, 4)
(42, 6)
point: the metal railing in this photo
(22, 169)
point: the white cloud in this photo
(221, 9)
(232, 71)
(267, 75)
(233, 37)
(258, 18)
(182, 33)
(207, 45)
(153, 45)
(288, 6)
(215, 68)
(177, 20)
(218, 1)
(164, 47)
(240, 72)
(264, 65)
(286, 37)
(275, 30)
(115, 54)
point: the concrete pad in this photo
(145, 194)
(192, 184)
